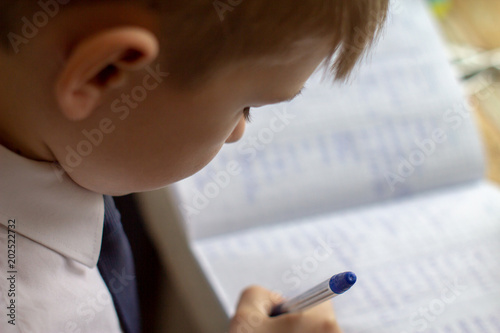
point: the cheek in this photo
(150, 146)
(238, 131)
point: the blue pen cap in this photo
(340, 283)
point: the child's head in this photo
(132, 95)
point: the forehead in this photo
(297, 52)
(278, 77)
(265, 79)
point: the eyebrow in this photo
(295, 96)
(289, 99)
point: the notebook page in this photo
(400, 127)
(428, 263)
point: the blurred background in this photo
(472, 33)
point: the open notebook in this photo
(383, 177)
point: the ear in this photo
(99, 63)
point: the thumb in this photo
(258, 299)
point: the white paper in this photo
(424, 264)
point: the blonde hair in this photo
(201, 36)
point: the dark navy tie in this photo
(116, 266)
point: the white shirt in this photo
(57, 287)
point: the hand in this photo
(252, 316)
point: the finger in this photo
(320, 318)
(323, 310)
(259, 299)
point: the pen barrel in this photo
(330, 288)
(313, 296)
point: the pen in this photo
(336, 285)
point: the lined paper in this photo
(437, 252)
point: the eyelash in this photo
(246, 114)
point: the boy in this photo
(128, 96)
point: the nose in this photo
(238, 131)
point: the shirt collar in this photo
(49, 208)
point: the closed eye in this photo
(246, 114)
